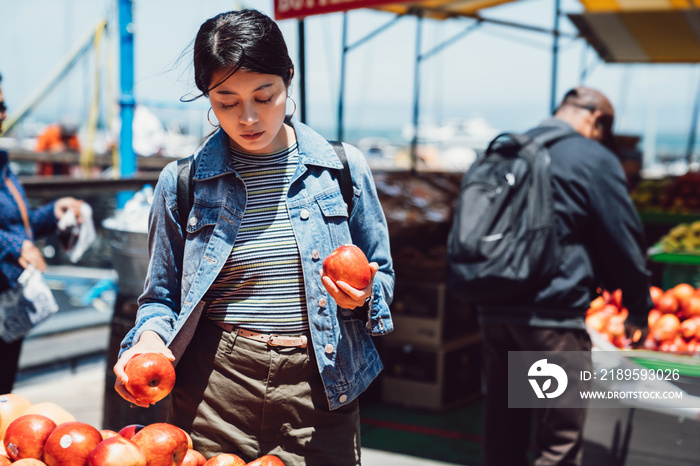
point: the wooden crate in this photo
(430, 378)
(427, 314)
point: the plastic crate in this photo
(673, 274)
(678, 267)
(605, 354)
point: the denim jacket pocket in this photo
(354, 362)
(333, 205)
(200, 227)
(202, 216)
(335, 214)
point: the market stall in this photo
(431, 359)
(646, 431)
(656, 432)
(433, 331)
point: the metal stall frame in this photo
(442, 9)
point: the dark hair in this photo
(246, 40)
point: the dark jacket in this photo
(12, 234)
(601, 236)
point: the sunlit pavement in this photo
(80, 391)
(63, 359)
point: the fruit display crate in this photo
(677, 267)
(427, 314)
(688, 366)
(677, 258)
(667, 218)
(430, 378)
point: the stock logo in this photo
(543, 371)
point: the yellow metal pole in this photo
(56, 76)
(87, 155)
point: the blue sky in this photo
(500, 73)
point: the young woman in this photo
(271, 355)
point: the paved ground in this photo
(63, 359)
(80, 391)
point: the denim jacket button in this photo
(343, 398)
(322, 302)
(328, 349)
(193, 221)
(315, 255)
(304, 214)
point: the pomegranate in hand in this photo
(348, 264)
(151, 377)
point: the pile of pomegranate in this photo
(674, 322)
(46, 434)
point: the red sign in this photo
(286, 9)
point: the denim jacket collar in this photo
(314, 149)
(213, 159)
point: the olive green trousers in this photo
(240, 396)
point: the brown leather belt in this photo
(295, 341)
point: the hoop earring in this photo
(295, 105)
(209, 119)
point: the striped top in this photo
(261, 286)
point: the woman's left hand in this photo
(346, 296)
(64, 204)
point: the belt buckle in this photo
(286, 341)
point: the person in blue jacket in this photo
(19, 225)
(270, 354)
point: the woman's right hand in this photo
(149, 342)
(30, 255)
(64, 204)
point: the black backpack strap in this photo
(345, 175)
(553, 134)
(519, 139)
(545, 138)
(185, 190)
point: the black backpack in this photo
(185, 184)
(503, 240)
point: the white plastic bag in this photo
(25, 306)
(77, 238)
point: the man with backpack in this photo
(525, 303)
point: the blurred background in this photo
(421, 88)
(494, 78)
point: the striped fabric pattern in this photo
(261, 286)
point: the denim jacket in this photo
(12, 233)
(181, 270)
